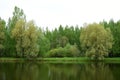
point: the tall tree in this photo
(44, 44)
(18, 35)
(17, 14)
(30, 42)
(96, 40)
(2, 36)
(115, 29)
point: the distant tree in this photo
(116, 34)
(61, 30)
(44, 44)
(96, 40)
(76, 36)
(63, 41)
(69, 32)
(115, 30)
(2, 36)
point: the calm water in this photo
(61, 71)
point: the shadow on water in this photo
(61, 71)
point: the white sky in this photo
(52, 13)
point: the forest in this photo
(24, 39)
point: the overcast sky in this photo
(52, 13)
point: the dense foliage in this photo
(22, 38)
(96, 40)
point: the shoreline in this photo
(61, 60)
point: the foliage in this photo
(74, 51)
(10, 42)
(20, 38)
(96, 40)
(2, 36)
(30, 44)
(26, 36)
(44, 44)
(63, 41)
(58, 52)
(67, 51)
(115, 29)
(18, 34)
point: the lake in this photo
(59, 71)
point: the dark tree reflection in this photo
(61, 71)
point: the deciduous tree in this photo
(96, 40)
(18, 34)
(30, 42)
(2, 36)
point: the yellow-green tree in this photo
(30, 42)
(96, 40)
(2, 36)
(26, 37)
(10, 42)
(18, 35)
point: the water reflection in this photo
(63, 71)
(89, 71)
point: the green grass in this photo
(11, 59)
(52, 60)
(65, 59)
(112, 60)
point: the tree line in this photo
(22, 38)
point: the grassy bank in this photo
(112, 60)
(66, 59)
(79, 60)
(12, 59)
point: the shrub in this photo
(58, 52)
(67, 51)
(72, 51)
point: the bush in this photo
(67, 51)
(72, 51)
(58, 52)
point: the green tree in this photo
(2, 36)
(10, 42)
(96, 40)
(72, 50)
(76, 37)
(30, 42)
(63, 41)
(17, 14)
(18, 35)
(115, 29)
(44, 44)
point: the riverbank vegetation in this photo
(20, 38)
(60, 60)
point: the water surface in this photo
(60, 71)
